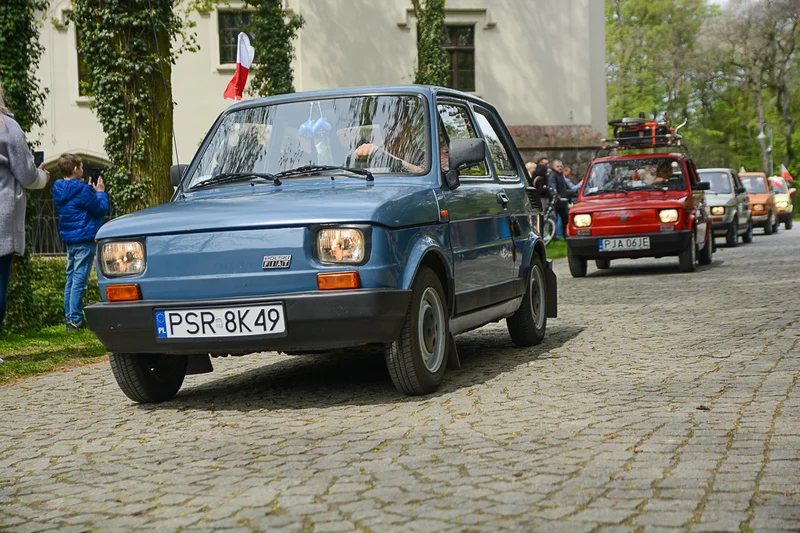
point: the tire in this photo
(549, 229)
(148, 378)
(418, 358)
(747, 237)
(768, 229)
(707, 253)
(602, 264)
(577, 265)
(732, 237)
(687, 258)
(788, 224)
(776, 226)
(528, 325)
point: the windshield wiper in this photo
(608, 191)
(234, 177)
(313, 169)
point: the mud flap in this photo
(453, 362)
(551, 286)
(199, 364)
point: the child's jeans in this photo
(79, 264)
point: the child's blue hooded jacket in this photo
(80, 210)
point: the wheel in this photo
(747, 237)
(417, 359)
(732, 237)
(148, 378)
(602, 264)
(788, 224)
(776, 225)
(549, 229)
(577, 265)
(527, 326)
(768, 229)
(686, 259)
(707, 253)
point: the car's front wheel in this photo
(577, 265)
(707, 253)
(527, 326)
(687, 258)
(732, 237)
(788, 223)
(769, 227)
(148, 378)
(747, 237)
(416, 360)
(776, 224)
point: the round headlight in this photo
(758, 207)
(782, 204)
(340, 245)
(718, 210)
(119, 259)
(668, 215)
(582, 221)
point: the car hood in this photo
(317, 201)
(650, 200)
(758, 198)
(720, 199)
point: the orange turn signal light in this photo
(332, 281)
(123, 293)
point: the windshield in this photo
(779, 186)
(383, 134)
(640, 174)
(720, 181)
(754, 184)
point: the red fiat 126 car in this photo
(640, 205)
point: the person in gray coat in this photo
(17, 173)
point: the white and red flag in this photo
(244, 58)
(785, 174)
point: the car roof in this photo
(720, 169)
(750, 174)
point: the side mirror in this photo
(701, 186)
(176, 173)
(464, 153)
(792, 191)
(740, 190)
(570, 193)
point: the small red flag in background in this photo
(785, 174)
(244, 58)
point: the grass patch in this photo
(557, 249)
(53, 348)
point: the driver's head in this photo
(664, 170)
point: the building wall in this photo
(540, 62)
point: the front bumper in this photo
(314, 321)
(661, 244)
(761, 220)
(784, 216)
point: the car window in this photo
(718, 180)
(755, 184)
(635, 175)
(779, 186)
(498, 152)
(458, 125)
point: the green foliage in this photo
(22, 312)
(273, 31)
(432, 62)
(129, 53)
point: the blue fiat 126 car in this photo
(384, 218)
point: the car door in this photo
(742, 201)
(509, 173)
(478, 212)
(698, 204)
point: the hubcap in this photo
(431, 330)
(537, 296)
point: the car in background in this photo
(387, 219)
(784, 201)
(728, 205)
(762, 201)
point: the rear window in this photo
(635, 175)
(754, 184)
(720, 181)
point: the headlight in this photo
(668, 215)
(122, 258)
(718, 210)
(782, 205)
(582, 221)
(341, 245)
(758, 207)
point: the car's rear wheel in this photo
(788, 223)
(577, 265)
(687, 258)
(768, 227)
(747, 237)
(732, 237)
(148, 378)
(527, 326)
(416, 360)
(707, 253)
(602, 264)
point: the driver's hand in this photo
(365, 151)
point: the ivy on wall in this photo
(19, 59)
(432, 62)
(273, 31)
(129, 53)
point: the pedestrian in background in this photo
(557, 182)
(17, 173)
(81, 208)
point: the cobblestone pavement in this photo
(659, 401)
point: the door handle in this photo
(502, 198)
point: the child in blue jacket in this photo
(81, 208)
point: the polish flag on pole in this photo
(785, 174)
(244, 58)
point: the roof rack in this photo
(642, 134)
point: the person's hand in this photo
(46, 173)
(99, 186)
(365, 151)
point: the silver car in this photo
(728, 205)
